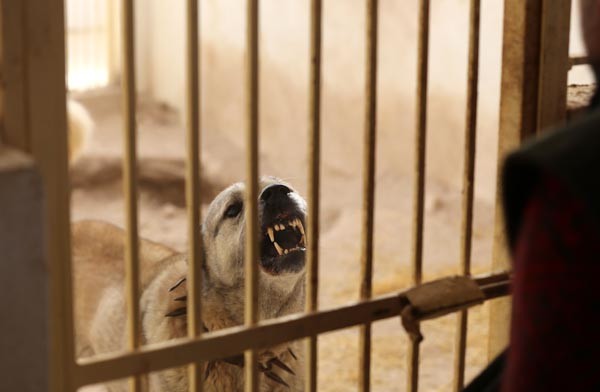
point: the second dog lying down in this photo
(100, 304)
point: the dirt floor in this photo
(97, 194)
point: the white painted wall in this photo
(284, 81)
(165, 61)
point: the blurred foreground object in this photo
(81, 128)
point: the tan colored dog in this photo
(100, 306)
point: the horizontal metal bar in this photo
(487, 280)
(228, 342)
(579, 60)
(100, 30)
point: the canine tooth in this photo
(271, 234)
(281, 227)
(279, 249)
(301, 227)
(286, 251)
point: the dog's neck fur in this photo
(223, 305)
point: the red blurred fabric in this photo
(555, 330)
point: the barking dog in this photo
(100, 304)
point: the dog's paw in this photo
(177, 299)
(268, 361)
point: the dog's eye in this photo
(233, 210)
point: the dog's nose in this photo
(275, 192)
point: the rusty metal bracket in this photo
(448, 295)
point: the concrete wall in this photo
(284, 81)
(23, 277)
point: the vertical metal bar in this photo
(130, 182)
(15, 121)
(35, 121)
(193, 187)
(251, 207)
(468, 185)
(554, 63)
(519, 94)
(368, 188)
(314, 179)
(419, 176)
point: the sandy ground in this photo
(96, 179)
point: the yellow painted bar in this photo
(130, 182)
(468, 186)
(14, 131)
(34, 121)
(419, 177)
(194, 281)
(228, 342)
(314, 159)
(364, 375)
(554, 63)
(519, 97)
(251, 206)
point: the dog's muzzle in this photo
(284, 240)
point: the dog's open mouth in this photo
(286, 237)
(283, 245)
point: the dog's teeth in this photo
(301, 227)
(278, 248)
(271, 234)
(292, 223)
(281, 227)
(286, 251)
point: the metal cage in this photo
(533, 96)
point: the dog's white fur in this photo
(100, 305)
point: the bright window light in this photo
(88, 44)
